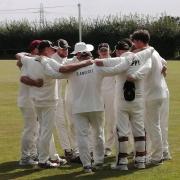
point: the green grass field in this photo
(11, 125)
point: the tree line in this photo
(165, 33)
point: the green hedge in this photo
(165, 32)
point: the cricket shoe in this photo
(87, 169)
(48, 165)
(75, 160)
(139, 165)
(121, 167)
(27, 162)
(59, 161)
(166, 156)
(156, 162)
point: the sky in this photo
(89, 8)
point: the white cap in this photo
(82, 47)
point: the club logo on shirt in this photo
(135, 62)
(84, 72)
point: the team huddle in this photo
(120, 101)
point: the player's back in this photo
(86, 90)
(154, 81)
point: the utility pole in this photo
(41, 16)
(79, 20)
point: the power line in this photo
(6, 10)
(24, 9)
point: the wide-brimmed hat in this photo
(82, 47)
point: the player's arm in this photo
(21, 58)
(64, 68)
(74, 66)
(110, 62)
(111, 71)
(70, 60)
(18, 57)
(54, 73)
(145, 54)
(31, 82)
(141, 72)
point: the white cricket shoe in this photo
(122, 167)
(27, 162)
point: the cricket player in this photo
(32, 126)
(155, 93)
(61, 126)
(24, 102)
(108, 91)
(122, 49)
(45, 98)
(130, 106)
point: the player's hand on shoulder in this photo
(98, 62)
(39, 82)
(19, 64)
(164, 71)
(130, 78)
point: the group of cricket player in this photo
(118, 101)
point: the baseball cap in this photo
(82, 47)
(103, 46)
(34, 44)
(61, 43)
(44, 44)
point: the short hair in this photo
(122, 45)
(141, 35)
(128, 41)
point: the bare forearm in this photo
(30, 82)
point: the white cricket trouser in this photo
(70, 122)
(153, 129)
(110, 122)
(164, 117)
(130, 112)
(46, 118)
(83, 121)
(30, 133)
(61, 126)
(131, 141)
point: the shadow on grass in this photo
(12, 170)
(105, 173)
(9, 166)
(19, 174)
(101, 174)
